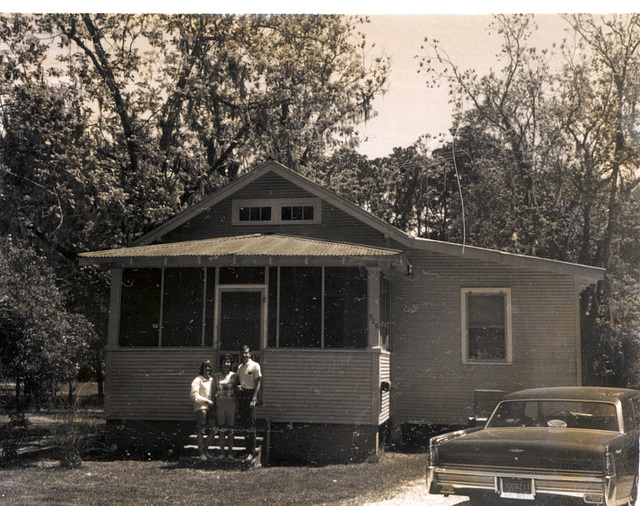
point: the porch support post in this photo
(114, 308)
(578, 338)
(373, 302)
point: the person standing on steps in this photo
(203, 407)
(225, 385)
(250, 379)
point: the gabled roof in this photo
(286, 173)
(584, 275)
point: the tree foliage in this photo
(42, 344)
(555, 151)
(181, 103)
(113, 123)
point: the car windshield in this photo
(555, 413)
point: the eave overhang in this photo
(583, 275)
(250, 250)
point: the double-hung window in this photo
(486, 326)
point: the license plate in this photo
(516, 488)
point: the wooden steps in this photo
(238, 458)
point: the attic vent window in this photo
(255, 213)
(295, 211)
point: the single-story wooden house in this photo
(356, 324)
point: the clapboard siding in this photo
(316, 386)
(151, 384)
(305, 386)
(336, 225)
(431, 384)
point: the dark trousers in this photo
(247, 418)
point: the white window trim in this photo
(465, 329)
(276, 205)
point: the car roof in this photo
(605, 394)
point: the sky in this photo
(409, 109)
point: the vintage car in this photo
(574, 443)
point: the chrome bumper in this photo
(592, 487)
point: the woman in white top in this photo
(201, 388)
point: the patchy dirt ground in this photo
(416, 493)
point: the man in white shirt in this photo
(250, 382)
(203, 407)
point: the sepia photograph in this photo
(321, 255)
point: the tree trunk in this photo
(18, 399)
(70, 395)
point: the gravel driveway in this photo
(416, 493)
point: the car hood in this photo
(530, 447)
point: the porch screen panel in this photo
(345, 307)
(385, 312)
(240, 320)
(272, 328)
(300, 307)
(140, 307)
(210, 307)
(182, 307)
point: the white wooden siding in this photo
(321, 386)
(151, 384)
(430, 382)
(304, 386)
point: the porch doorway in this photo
(241, 314)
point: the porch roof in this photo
(270, 249)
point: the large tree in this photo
(42, 343)
(553, 149)
(183, 103)
(600, 108)
(113, 123)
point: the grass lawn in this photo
(155, 482)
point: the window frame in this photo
(506, 292)
(276, 206)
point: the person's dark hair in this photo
(224, 357)
(205, 363)
(246, 347)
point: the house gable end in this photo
(336, 221)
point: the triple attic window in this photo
(276, 211)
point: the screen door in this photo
(241, 319)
